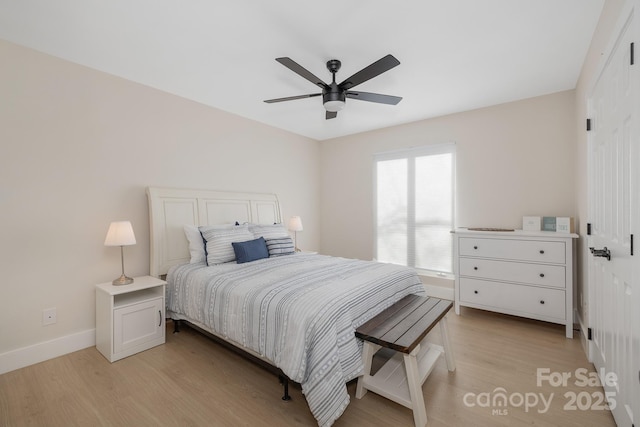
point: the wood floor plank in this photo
(192, 381)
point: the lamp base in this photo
(122, 280)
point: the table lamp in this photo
(295, 225)
(121, 234)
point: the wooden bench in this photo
(403, 327)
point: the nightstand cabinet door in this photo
(138, 324)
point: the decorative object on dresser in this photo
(564, 224)
(548, 223)
(559, 224)
(522, 273)
(121, 234)
(531, 223)
(130, 319)
(295, 225)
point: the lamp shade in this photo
(295, 224)
(120, 234)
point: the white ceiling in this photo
(455, 55)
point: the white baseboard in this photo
(584, 334)
(21, 357)
(439, 292)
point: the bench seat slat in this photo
(416, 334)
(402, 326)
(380, 323)
(407, 321)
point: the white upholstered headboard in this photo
(170, 209)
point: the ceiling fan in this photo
(334, 94)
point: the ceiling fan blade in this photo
(300, 70)
(373, 70)
(374, 97)
(291, 98)
(331, 115)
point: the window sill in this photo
(437, 275)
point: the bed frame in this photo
(170, 209)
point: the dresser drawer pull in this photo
(542, 251)
(475, 268)
(475, 247)
(541, 274)
(475, 292)
(542, 301)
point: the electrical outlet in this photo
(49, 316)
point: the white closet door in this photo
(613, 214)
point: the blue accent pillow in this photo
(250, 250)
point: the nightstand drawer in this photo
(519, 250)
(536, 274)
(522, 300)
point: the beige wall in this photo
(513, 160)
(78, 149)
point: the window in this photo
(414, 207)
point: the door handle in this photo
(604, 252)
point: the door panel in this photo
(613, 213)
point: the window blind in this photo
(414, 207)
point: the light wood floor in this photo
(191, 381)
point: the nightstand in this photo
(130, 318)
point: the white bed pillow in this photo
(268, 231)
(218, 242)
(196, 244)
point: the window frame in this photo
(412, 153)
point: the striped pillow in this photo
(218, 242)
(279, 246)
(268, 231)
(197, 242)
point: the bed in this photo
(296, 311)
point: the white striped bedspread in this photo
(298, 311)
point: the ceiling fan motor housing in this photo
(333, 94)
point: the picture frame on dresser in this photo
(529, 274)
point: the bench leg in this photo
(448, 350)
(415, 388)
(368, 351)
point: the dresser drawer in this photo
(509, 271)
(520, 250)
(527, 301)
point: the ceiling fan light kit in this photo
(334, 95)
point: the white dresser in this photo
(522, 273)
